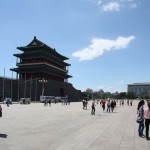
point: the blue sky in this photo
(107, 41)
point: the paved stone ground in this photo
(35, 127)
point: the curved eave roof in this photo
(68, 76)
(37, 56)
(67, 64)
(35, 43)
(18, 70)
(24, 48)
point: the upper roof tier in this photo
(36, 44)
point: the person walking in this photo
(7, 102)
(86, 103)
(128, 102)
(147, 120)
(112, 106)
(93, 108)
(83, 102)
(103, 104)
(49, 101)
(140, 117)
(131, 102)
(108, 106)
(68, 101)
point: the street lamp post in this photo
(43, 81)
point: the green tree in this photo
(131, 95)
(122, 95)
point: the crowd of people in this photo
(109, 105)
(143, 113)
(63, 102)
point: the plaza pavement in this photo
(35, 127)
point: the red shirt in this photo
(103, 103)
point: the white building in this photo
(140, 88)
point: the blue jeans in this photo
(108, 108)
(141, 128)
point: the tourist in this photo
(147, 120)
(49, 101)
(120, 102)
(131, 102)
(112, 106)
(140, 117)
(108, 106)
(68, 101)
(93, 108)
(103, 104)
(45, 102)
(7, 102)
(128, 102)
(86, 103)
(62, 102)
(83, 103)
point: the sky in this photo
(107, 41)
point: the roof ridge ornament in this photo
(34, 37)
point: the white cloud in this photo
(98, 46)
(112, 6)
(115, 5)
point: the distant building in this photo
(41, 70)
(140, 88)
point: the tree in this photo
(122, 95)
(131, 95)
(89, 93)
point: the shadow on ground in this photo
(3, 135)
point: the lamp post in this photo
(43, 81)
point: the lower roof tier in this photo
(41, 69)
